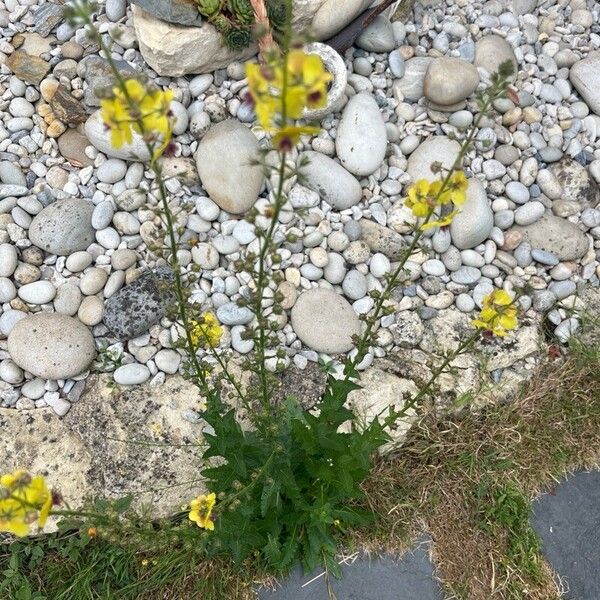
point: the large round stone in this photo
(361, 138)
(325, 321)
(51, 345)
(491, 51)
(225, 160)
(63, 227)
(436, 149)
(450, 80)
(330, 180)
(475, 219)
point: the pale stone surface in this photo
(99, 137)
(491, 51)
(361, 139)
(325, 321)
(63, 227)
(556, 235)
(436, 149)
(585, 76)
(176, 50)
(450, 80)
(381, 390)
(333, 15)
(224, 158)
(81, 456)
(335, 185)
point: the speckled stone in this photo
(51, 346)
(137, 306)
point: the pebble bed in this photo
(76, 216)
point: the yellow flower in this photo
(286, 138)
(207, 331)
(201, 509)
(441, 222)
(498, 315)
(283, 88)
(13, 517)
(424, 196)
(455, 191)
(137, 108)
(419, 199)
(31, 493)
(116, 118)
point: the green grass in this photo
(467, 480)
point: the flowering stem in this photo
(493, 93)
(199, 376)
(261, 280)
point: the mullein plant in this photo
(285, 488)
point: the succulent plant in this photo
(209, 8)
(277, 12)
(242, 11)
(237, 39)
(234, 19)
(222, 24)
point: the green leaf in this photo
(269, 497)
(122, 504)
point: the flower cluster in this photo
(425, 197)
(23, 501)
(135, 107)
(206, 331)
(498, 315)
(201, 510)
(282, 88)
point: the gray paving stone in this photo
(411, 577)
(568, 521)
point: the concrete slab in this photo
(568, 521)
(412, 577)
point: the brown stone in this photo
(67, 108)
(72, 145)
(26, 67)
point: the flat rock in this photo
(435, 149)
(361, 139)
(99, 137)
(46, 17)
(585, 76)
(381, 390)
(67, 108)
(224, 159)
(181, 12)
(51, 345)
(175, 50)
(325, 321)
(28, 68)
(411, 84)
(475, 221)
(86, 453)
(491, 51)
(63, 227)
(450, 80)
(136, 307)
(576, 182)
(556, 235)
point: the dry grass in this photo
(468, 482)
